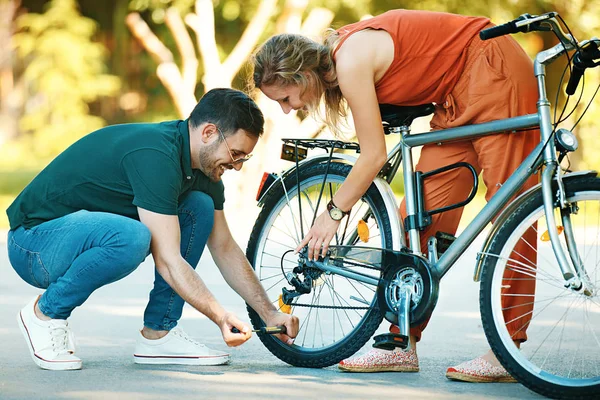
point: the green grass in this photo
(11, 184)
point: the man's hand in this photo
(230, 321)
(289, 321)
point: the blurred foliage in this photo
(81, 68)
(63, 71)
(157, 8)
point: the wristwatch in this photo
(336, 213)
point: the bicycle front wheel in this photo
(339, 314)
(524, 302)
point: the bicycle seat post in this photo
(410, 194)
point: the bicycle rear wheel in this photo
(339, 315)
(561, 355)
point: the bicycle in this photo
(372, 273)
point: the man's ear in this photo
(208, 133)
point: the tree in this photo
(181, 81)
(9, 99)
(61, 71)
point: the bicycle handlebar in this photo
(500, 30)
(588, 56)
(524, 23)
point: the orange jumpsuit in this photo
(440, 59)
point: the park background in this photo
(70, 67)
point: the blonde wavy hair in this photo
(291, 59)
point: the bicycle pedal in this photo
(444, 240)
(389, 341)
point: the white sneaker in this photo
(51, 343)
(176, 347)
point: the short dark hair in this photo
(230, 110)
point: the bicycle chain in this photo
(344, 261)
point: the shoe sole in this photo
(458, 376)
(388, 368)
(164, 360)
(40, 362)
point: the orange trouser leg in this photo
(487, 153)
(497, 82)
(498, 164)
(442, 190)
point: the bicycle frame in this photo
(544, 155)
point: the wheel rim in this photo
(563, 345)
(320, 328)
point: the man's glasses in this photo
(238, 160)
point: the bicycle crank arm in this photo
(404, 310)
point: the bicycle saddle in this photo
(399, 116)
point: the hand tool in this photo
(269, 330)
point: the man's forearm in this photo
(239, 274)
(186, 282)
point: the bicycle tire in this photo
(548, 381)
(298, 355)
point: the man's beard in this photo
(208, 163)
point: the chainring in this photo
(414, 271)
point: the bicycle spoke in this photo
(287, 246)
(534, 316)
(287, 234)
(553, 327)
(575, 353)
(357, 291)
(533, 302)
(291, 211)
(275, 284)
(340, 301)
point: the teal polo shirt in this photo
(116, 169)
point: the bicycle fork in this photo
(575, 275)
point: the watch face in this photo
(336, 214)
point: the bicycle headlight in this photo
(566, 140)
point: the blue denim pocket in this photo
(28, 265)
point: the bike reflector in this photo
(363, 231)
(265, 182)
(284, 308)
(546, 236)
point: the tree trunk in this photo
(181, 83)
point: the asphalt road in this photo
(106, 325)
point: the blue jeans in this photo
(76, 254)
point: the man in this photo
(95, 213)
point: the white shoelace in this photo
(63, 341)
(179, 332)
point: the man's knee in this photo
(135, 238)
(201, 205)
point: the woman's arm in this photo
(359, 61)
(357, 65)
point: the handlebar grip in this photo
(500, 30)
(574, 80)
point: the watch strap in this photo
(331, 205)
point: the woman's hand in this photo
(319, 236)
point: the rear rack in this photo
(324, 144)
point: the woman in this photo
(407, 57)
